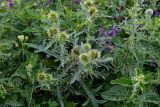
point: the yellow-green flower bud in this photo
(94, 54)
(26, 38)
(63, 36)
(53, 16)
(92, 11)
(89, 3)
(49, 77)
(29, 67)
(52, 32)
(87, 46)
(21, 38)
(75, 51)
(41, 77)
(84, 58)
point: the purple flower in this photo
(49, 1)
(102, 32)
(153, 65)
(156, 12)
(108, 43)
(113, 31)
(10, 3)
(76, 1)
(108, 46)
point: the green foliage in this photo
(73, 53)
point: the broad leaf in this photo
(150, 98)
(116, 93)
(122, 81)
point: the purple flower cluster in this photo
(113, 31)
(10, 3)
(102, 32)
(108, 46)
(76, 1)
(156, 12)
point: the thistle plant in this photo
(99, 52)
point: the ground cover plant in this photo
(79, 53)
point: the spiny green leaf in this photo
(90, 95)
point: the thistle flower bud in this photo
(29, 67)
(84, 58)
(88, 3)
(149, 12)
(52, 32)
(87, 46)
(26, 38)
(53, 16)
(21, 38)
(92, 11)
(49, 77)
(94, 54)
(41, 77)
(63, 36)
(75, 51)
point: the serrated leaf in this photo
(150, 98)
(116, 93)
(122, 81)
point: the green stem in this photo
(62, 55)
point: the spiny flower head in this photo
(84, 58)
(49, 77)
(41, 77)
(52, 32)
(63, 36)
(88, 3)
(53, 16)
(94, 54)
(92, 11)
(149, 12)
(75, 51)
(44, 77)
(87, 46)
